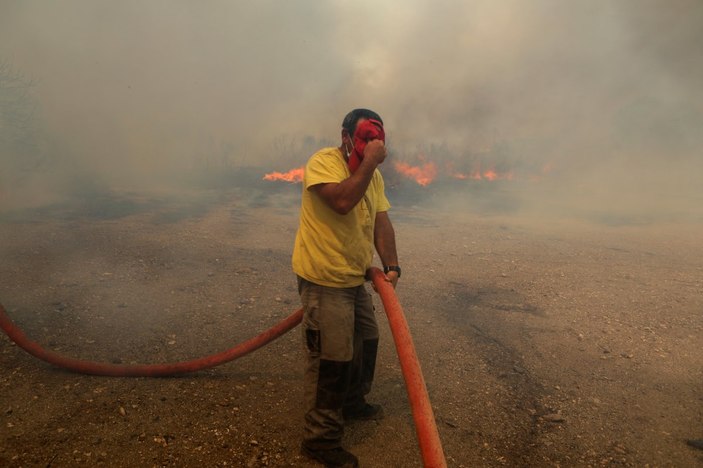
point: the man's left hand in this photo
(392, 277)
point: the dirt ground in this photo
(559, 343)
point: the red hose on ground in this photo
(425, 426)
(145, 370)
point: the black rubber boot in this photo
(363, 368)
(336, 457)
(368, 364)
(365, 412)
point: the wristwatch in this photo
(395, 268)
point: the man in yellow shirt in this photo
(343, 217)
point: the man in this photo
(343, 217)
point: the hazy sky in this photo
(607, 92)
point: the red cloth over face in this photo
(366, 131)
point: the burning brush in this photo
(292, 176)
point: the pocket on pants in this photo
(312, 341)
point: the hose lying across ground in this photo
(425, 426)
(145, 370)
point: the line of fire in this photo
(424, 172)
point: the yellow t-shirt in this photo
(332, 249)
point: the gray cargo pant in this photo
(341, 341)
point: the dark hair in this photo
(349, 122)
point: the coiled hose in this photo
(425, 426)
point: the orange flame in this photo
(292, 176)
(489, 175)
(475, 175)
(423, 175)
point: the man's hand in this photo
(392, 277)
(375, 151)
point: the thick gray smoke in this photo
(595, 104)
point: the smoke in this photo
(148, 94)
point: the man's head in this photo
(359, 127)
(353, 117)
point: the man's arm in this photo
(343, 196)
(384, 240)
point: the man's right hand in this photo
(376, 151)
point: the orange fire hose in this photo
(426, 429)
(425, 426)
(145, 370)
